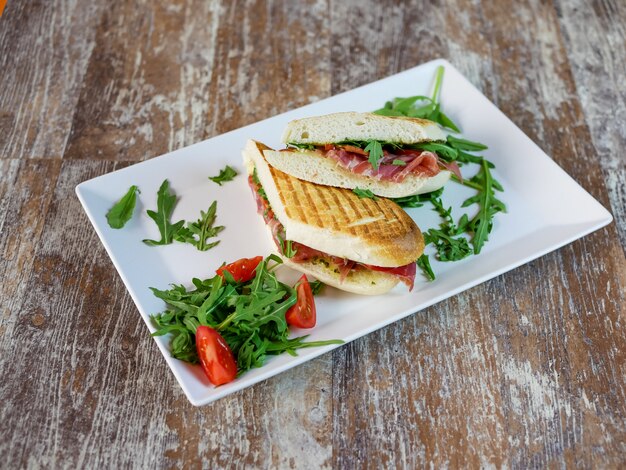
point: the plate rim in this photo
(214, 393)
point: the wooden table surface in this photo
(526, 370)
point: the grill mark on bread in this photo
(392, 216)
(284, 188)
(407, 223)
(384, 241)
(341, 197)
(347, 200)
(327, 214)
(308, 191)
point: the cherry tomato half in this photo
(302, 314)
(242, 270)
(215, 356)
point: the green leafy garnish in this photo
(122, 210)
(417, 200)
(288, 250)
(197, 233)
(450, 239)
(420, 106)
(463, 144)
(364, 193)
(375, 150)
(398, 162)
(316, 286)
(165, 206)
(482, 223)
(424, 263)
(226, 174)
(250, 316)
(448, 247)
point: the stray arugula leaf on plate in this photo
(122, 210)
(364, 193)
(226, 174)
(165, 207)
(197, 233)
(482, 223)
(316, 286)
(424, 263)
(249, 315)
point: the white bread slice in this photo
(313, 166)
(335, 221)
(338, 127)
(359, 281)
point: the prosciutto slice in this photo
(416, 162)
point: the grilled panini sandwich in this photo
(364, 246)
(378, 153)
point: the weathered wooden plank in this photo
(595, 41)
(44, 47)
(526, 370)
(25, 194)
(186, 81)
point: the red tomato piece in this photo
(302, 314)
(242, 270)
(353, 149)
(215, 356)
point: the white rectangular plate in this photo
(546, 210)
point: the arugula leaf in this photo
(448, 247)
(482, 223)
(165, 207)
(250, 316)
(424, 263)
(316, 286)
(445, 121)
(446, 152)
(398, 162)
(417, 200)
(288, 249)
(419, 106)
(197, 233)
(122, 210)
(364, 193)
(463, 144)
(375, 150)
(226, 174)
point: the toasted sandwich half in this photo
(378, 153)
(365, 246)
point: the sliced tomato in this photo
(354, 149)
(242, 270)
(215, 356)
(302, 314)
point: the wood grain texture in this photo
(526, 370)
(44, 49)
(598, 67)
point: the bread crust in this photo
(338, 127)
(312, 166)
(336, 221)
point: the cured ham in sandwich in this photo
(383, 154)
(364, 246)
